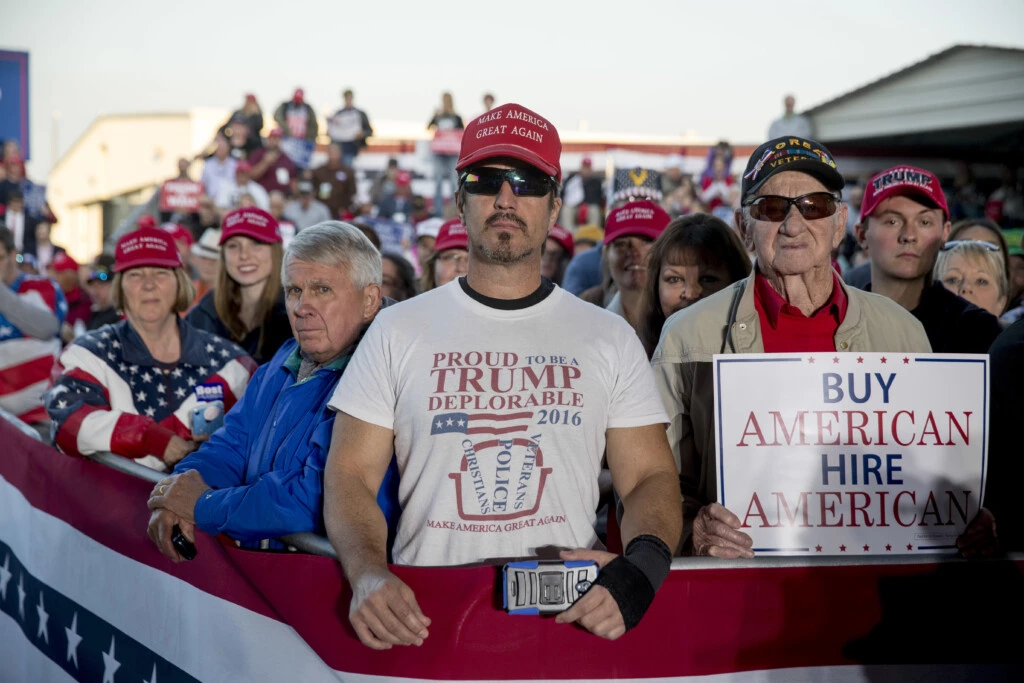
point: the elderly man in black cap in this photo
(792, 217)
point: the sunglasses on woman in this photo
(811, 206)
(984, 245)
(524, 182)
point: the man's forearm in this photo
(356, 526)
(33, 320)
(654, 507)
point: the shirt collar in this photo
(193, 350)
(775, 305)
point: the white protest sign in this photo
(851, 454)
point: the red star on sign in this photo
(883, 360)
(906, 361)
(835, 359)
(817, 548)
(860, 359)
(866, 547)
(811, 359)
(910, 546)
(888, 547)
(842, 548)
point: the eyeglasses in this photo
(524, 183)
(811, 206)
(981, 243)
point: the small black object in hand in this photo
(185, 547)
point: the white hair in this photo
(333, 243)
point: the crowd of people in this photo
(288, 376)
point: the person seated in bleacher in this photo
(261, 476)
(131, 387)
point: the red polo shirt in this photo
(785, 329)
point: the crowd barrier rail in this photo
(73, 542)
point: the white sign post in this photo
(851, 454)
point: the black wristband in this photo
(651, 556)
(629, 588)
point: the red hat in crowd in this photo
(512, 130)
(178, 233)
(403, 178)
(145, 247)
(452, 235)
(249, 97)
(251, 222)
(587, 161)
(564, 238)
(903, 181)
(146, 221)
(62, 262)
(275, 132)
(243, 167)
(643, 218)
(298, 96)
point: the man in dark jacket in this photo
(904, 221)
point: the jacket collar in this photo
(193, 349)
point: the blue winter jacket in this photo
(266, 464)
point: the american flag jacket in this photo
(113, 396)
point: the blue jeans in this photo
(349, 151)
(444, 169)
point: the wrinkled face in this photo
(627, 261)
(683, 282)
(450, 264)
(325, 310)
(248, 262)
(506, 229)
(149, 294)
(972, 278)
(903, 237)
(795, 245)
(551, 259)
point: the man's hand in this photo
(979, 539)
(161, 528)
(177, 449)
(597, 610)
(716, 534)
(384, 611)
(178, 494)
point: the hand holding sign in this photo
(716, 534)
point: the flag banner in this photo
(85, 595)
(869, 453)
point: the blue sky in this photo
(716, 69)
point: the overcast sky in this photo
(717, 69)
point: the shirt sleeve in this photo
(367, 389)
(635, 401)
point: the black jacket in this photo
(276, 329)
(953, 324)
(1002, 495)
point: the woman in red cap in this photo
(247, 304)
(450, 258)
(629, 232)
(133, 387)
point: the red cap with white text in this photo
(146, 247)
(512, 130)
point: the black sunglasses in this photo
(811, 206)
(524, 183)
(988, 246)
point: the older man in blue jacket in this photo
(261, 476)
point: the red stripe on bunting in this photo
(17, 377)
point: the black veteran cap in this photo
(790, 153)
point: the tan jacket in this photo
(683, 369)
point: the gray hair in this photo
(333, 243)
(975, 250)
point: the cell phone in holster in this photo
(185, 547)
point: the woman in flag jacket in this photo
(132, 388)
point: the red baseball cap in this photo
(643, 218)
(403, 178)
(145, 247)
(178, 233)
(249, 97)
(63, 262)
(275, 132)
(243, 167)
(564, 238)
(905, 181)
(298, 95)
(251, 222)
(452, 235)
(512, 130)
(146, 221)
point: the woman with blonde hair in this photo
(247, 304)
(976, 271)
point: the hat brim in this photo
(203, 251)
(154, 262)
(259, 237)
(650, 233)
(514, 151)
(867, 209)
(829, 177)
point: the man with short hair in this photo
(904, 221)
(306, 211)
(32, 309)
(349, 128)
(792, 217)
(335, 182)
(271, 167)
(791, 123)
(257, 484)
(500, 393)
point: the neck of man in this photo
(907, 293)
(807, 291)
(504, 280)
(161, 338)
